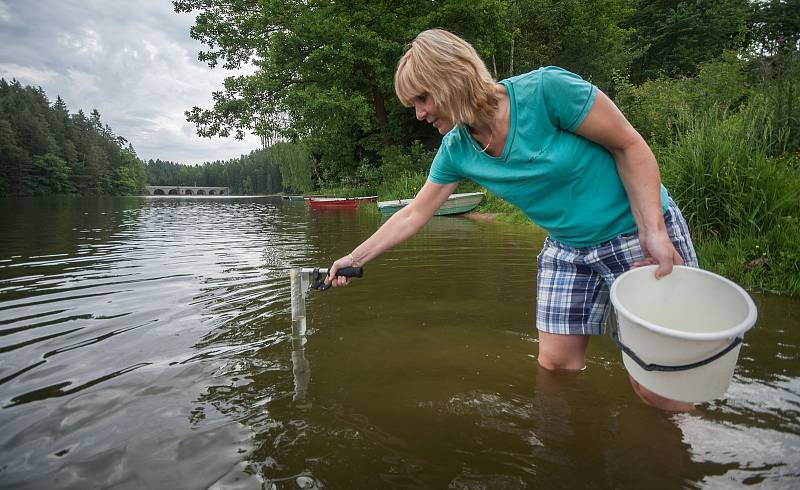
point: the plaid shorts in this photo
(573, 283)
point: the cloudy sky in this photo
(132, 60)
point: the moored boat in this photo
(339, 202)
(455, 204)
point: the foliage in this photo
(403, 186)
(736, 175)
(282, 167)
(662, 109)
(776, 27)
(295, 166)
(775, 106)
(326, 68)
(672, 37)
(46, 150)
(50, 175)
(586, 37)
(726, 179)
(770, 263)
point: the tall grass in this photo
(726, 180)
(737, 178)
(404, 185)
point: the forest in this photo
(46, 150)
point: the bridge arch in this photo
(182, 190)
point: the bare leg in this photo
(562, 352)
(659, 401)
(567, 353)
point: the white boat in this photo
(455, 204)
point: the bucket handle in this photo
(614, 331)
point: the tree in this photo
(673, 38)
(13, 160)
(44, 149)
(127, 177)
(586, 37)
(776, 27)
(51, 175)
(324, 69)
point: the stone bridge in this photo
(186, 190)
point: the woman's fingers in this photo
(333, 279)
(645, 261)
(339, 281)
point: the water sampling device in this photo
(301, 281)
(312, 278)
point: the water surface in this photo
(146, 343)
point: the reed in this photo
(742, 202)
(403, 186)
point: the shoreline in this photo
(478, 216)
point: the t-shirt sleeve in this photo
(442, 168)
(567, 97)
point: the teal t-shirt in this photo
(563, 182)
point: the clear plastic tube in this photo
(298, 296)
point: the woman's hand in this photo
(637, 167)
(400, 226)
(338, 281)
(658, 249)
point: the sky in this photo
(132, 60)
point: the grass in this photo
(742, 203)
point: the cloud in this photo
(132, 61)
(31, 76)
(5, 14)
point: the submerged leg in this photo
(562, 352)
(659, 401)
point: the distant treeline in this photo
(281, 167)
(46, 150)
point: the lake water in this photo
(146, 343)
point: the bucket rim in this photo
(734, 331)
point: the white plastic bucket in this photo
(669, 328)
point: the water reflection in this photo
(149, 343)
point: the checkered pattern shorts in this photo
(573, 283)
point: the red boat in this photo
(339, 202)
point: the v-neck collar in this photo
(512, 127)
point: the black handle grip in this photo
(350, 272)
(318, 281)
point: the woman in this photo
(558, 148)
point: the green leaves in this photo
(45, 150)
(324, 69)
(50, 175)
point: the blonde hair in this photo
(449, 69)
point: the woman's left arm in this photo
(637, 167)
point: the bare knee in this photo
(560, 364)
(562, 352)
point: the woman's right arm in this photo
(399, 227)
